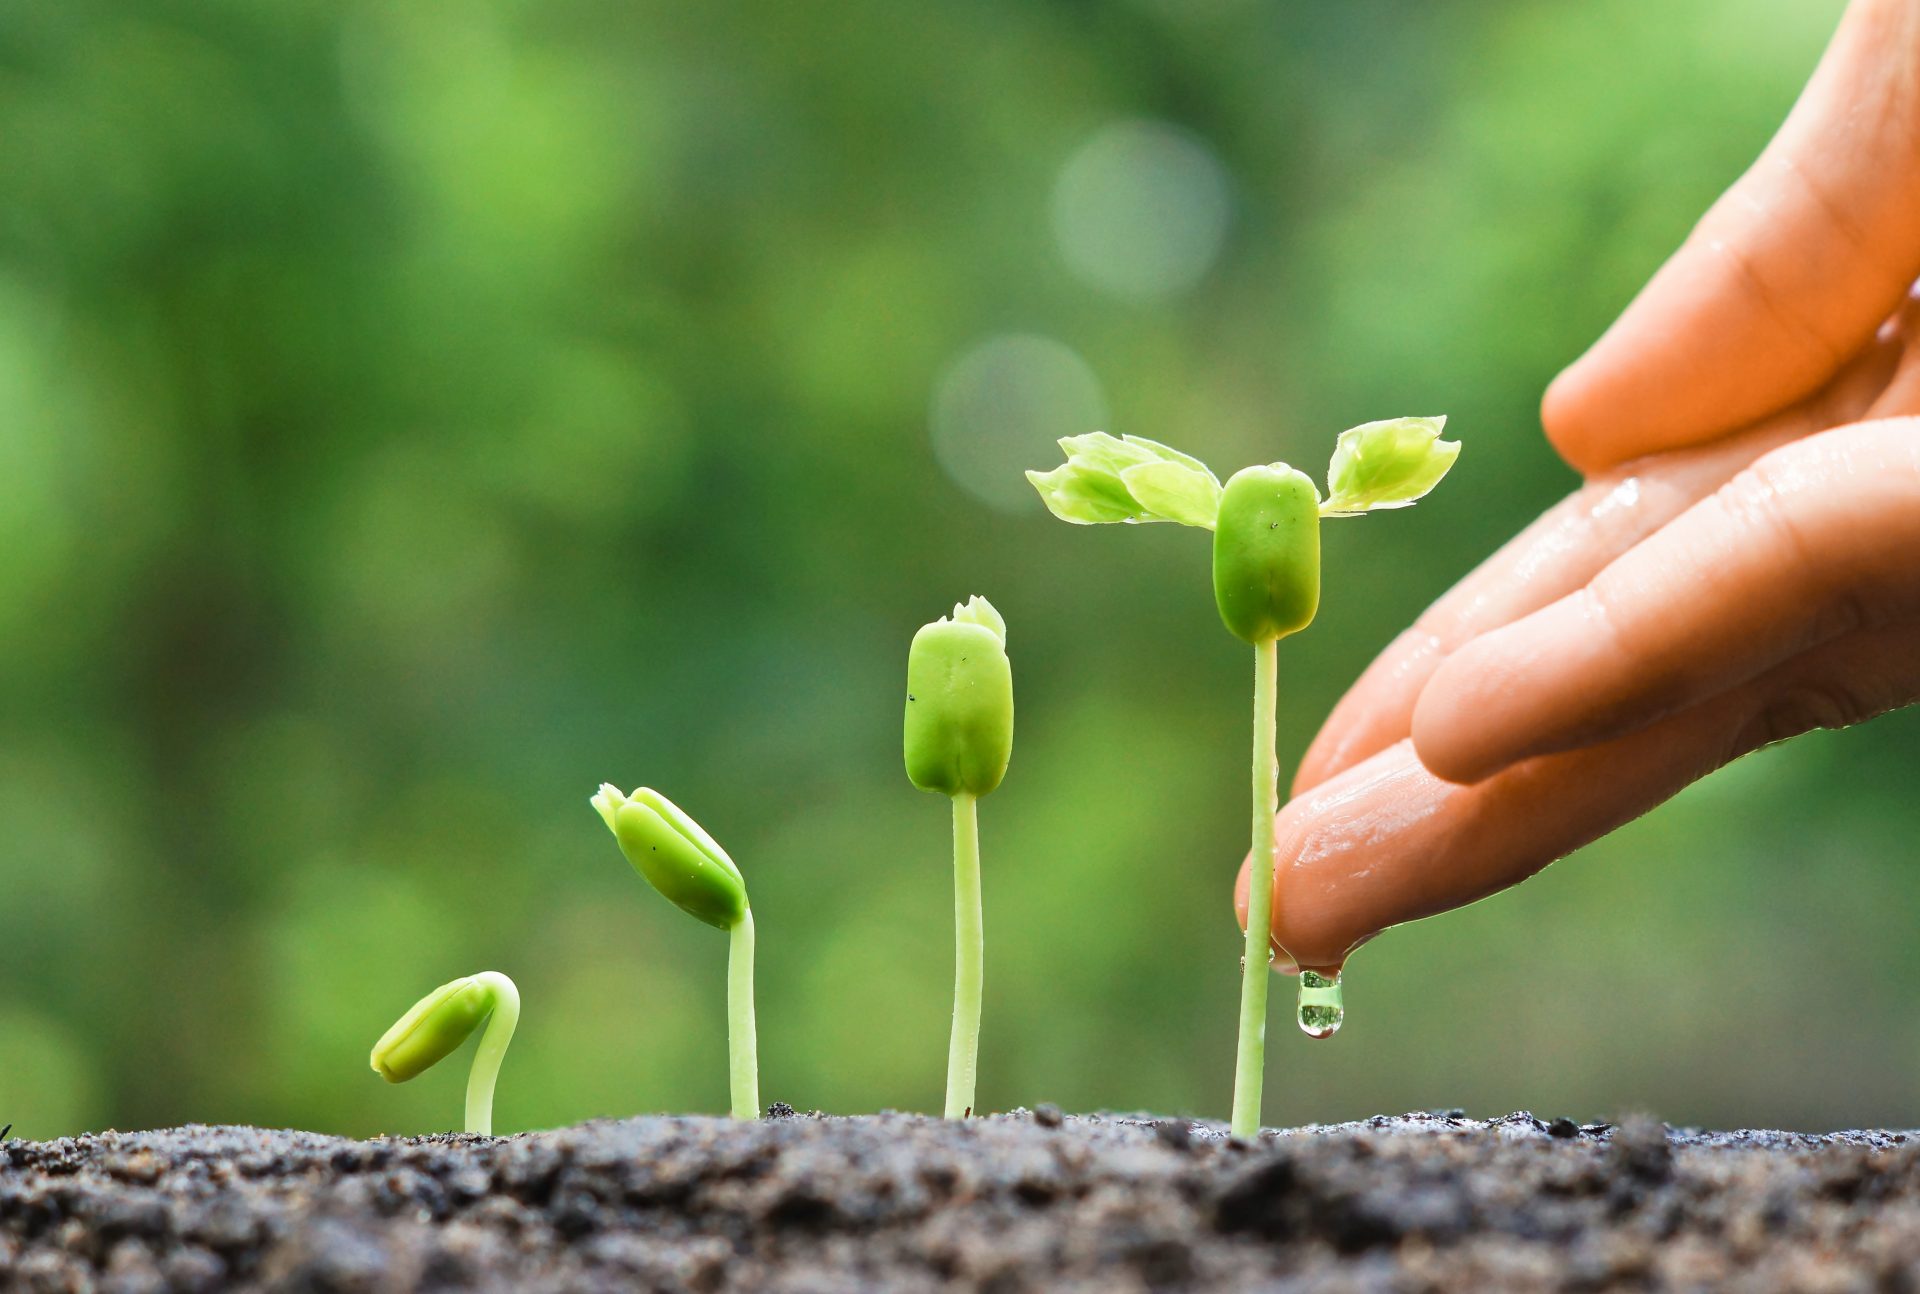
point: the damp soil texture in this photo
(1024, 1201)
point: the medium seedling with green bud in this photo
(1266, 582)
(959, 737)
(436, 1026)
(688, 866)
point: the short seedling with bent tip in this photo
(1266, 583)
(959, 737)
(436, 1026)
(688, 866)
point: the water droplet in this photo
(1321, 1009)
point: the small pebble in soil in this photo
(1174, 1134)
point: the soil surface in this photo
(1023, 1201)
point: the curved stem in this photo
(501, 1022)
(743, 1046)
(963, 1048)
(1254, 972)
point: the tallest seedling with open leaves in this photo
(1266, 582)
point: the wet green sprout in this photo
(1266, 582)
(436, 1026)
(685, 864)
(959, 736)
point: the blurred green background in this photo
(412, 415)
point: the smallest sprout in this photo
(436, 1026)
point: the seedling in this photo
(688, 866)
(1266, 583)
(959, 736)
(436, 1026)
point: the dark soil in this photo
(1016, 1202)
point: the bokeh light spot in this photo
(999, 407)
(1142, 209)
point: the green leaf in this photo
(1167, 452)
(1171, 491)
(1098, 452)
(1096, 460)
(1097, 484)
(1387, 465)
(1069, 497)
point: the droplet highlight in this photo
(1321, 1007)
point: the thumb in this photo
(1784, 279)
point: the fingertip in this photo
(1532, 687)
(1459, 729)
(1325, 899)
(1443, 748)
(1566, 415)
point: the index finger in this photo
(1388, 841)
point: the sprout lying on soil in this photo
(1266, 583)
(959, 737)
(684, 863)
(436, 1026)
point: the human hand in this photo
(1683, 607)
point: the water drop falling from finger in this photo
(1321, 1008)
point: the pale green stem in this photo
(963, 1049)
(1254, 972)
(743, 1047)
(501, 1022)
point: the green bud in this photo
(1387, 464)
(959, 727)
(1129, 479)
(1266, 553)
(674, 854)
(432, 1030)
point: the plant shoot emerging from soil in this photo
(436, 1026)
(685, 864)
(959, 737)
(1266, 582)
